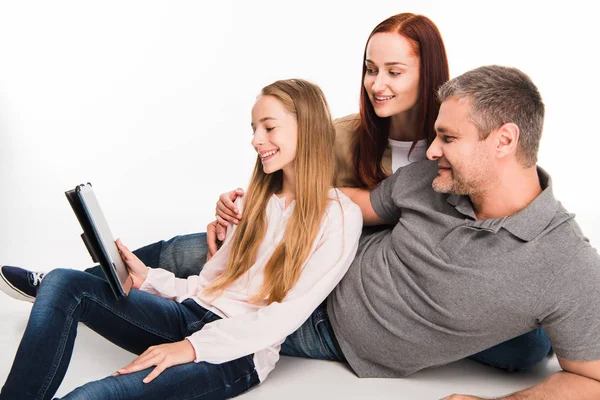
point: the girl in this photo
(217, 334)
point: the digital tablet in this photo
(98, 238)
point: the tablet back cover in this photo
(92, 241)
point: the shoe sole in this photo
(13, 292)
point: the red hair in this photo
(372, 136)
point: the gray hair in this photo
(500, 95)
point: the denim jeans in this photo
(186, 254)
(314, 339)
(67, 297)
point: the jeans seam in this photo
(65, 334)
(324, 347)
(320, 316)
(60, 350)
(59, 354)
(206, 319)
(225, 386)
(194, 326)
(135, 323)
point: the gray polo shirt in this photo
(440, 285)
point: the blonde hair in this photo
(314, 167)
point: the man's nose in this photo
(435, 150)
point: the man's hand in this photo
(163, 356)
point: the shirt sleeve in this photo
(164, 283)
(230, 338)
(382, 198)
(570, 308)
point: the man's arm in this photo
(362, 198)
(577, 381)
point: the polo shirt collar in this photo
(533, 219)
(527, 223)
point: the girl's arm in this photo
(164, 283)
(231, 338)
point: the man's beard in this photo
(454, 184)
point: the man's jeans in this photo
(186, 254)
(67, 297)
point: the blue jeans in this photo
(67, 297)
(186, 254)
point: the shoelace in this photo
(37, 278)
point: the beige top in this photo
(345, 130)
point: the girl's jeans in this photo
(67, 297)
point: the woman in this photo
(403, 64)
(216, 334)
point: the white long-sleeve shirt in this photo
(246, 327)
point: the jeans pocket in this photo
(324, 332)
(201, 316)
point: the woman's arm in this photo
(226, 213)
(362, 198)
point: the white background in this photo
(150, 101)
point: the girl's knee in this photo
(109, 388)
(59, 281)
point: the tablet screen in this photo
(104, 235)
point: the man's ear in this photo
(506, 140)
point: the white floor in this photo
(294, 378)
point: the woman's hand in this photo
(137, 269)
(211, 240)
(227, 212)
(163, 356)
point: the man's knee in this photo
(184, 255)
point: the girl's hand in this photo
(227, 212)
(137, 269)
(163, 356)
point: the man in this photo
(480, 252)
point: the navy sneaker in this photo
(20, 283)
